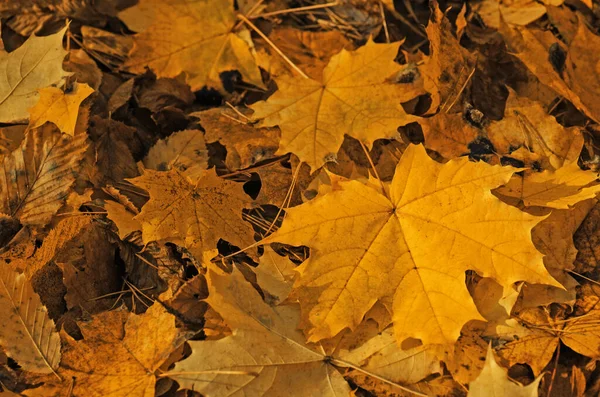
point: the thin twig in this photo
(384, 22)
(344, 363)
(242, 115)
(288, 197)
(295, 10)
(265, 38)
(460, 91)
(554, 371)
(383, 191)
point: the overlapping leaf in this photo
(201, 44)
(410, 250)
(357, 95)
(34, 65)
(27, 334)
(39, 174)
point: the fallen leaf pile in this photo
(299, 198)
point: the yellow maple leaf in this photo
(410, 250)
(59, 107)
(193, 215)
(355, 96)
(191, 37)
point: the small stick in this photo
(373, 168)
(250, 12)
(288, 197)
(464, 86)
(242, 115)
(261, 34)
(385, 27)
(297, 9)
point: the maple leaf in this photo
(411, 250)
(39, 174)
(141, 343)
(202, 43)
(28, 333)
(37, 63)
(355, 96)
(111, 160)
(265, 351)
(448, 134)
(494, 381)
(310, 49)
(59, 107)
(582, 70)
(193, 215)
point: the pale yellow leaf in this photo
(275, 274)
(34, 65)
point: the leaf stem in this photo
(297, 9)
(383, 191)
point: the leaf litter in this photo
(264, 198)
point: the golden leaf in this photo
(37, 63)
(201, 44)
(355, 96)
(411, 250)
(27, 333)
(59, 107)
